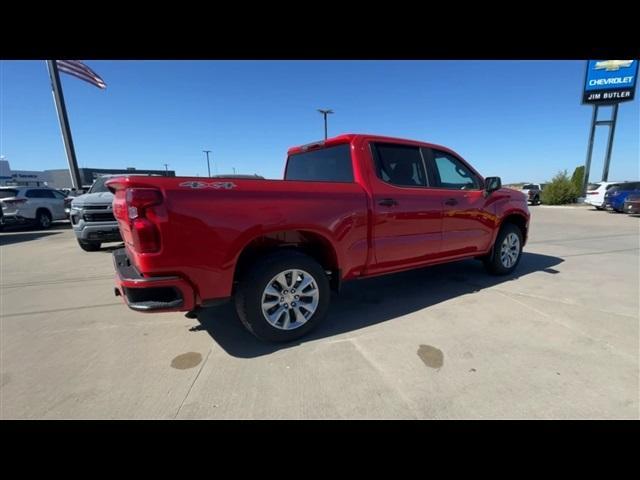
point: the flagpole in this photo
(58, 99)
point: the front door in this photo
(468, 218)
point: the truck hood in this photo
(101, 198)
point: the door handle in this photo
(451, 202)
(387, 202)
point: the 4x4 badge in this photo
(216, 185)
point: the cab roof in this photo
(350, 137)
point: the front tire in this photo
(506, 251)
(283, 297)
(88, 246)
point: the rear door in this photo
(468, 218)
(407, 217)
(35, 200)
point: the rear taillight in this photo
(14, 202)
(140, 203)
(592, 193)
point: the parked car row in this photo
(621, 196)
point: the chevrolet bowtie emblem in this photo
(613, 65)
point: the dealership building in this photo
(61, 178)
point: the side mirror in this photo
(491, 184)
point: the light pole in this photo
(208, 166)
(166, 168)
(324, 114)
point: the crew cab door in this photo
(468, 218)
(407, 218)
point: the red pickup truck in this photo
(350, 207)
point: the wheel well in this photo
(309, 243)
(519, 221)
(43, 209)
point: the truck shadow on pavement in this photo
(368, 302)
(9, 238)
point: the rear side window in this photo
(400, 165)
(39, 194)
(332, 164)
(627, 186)
(8, 193)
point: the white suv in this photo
(596, 191)
(21, 205)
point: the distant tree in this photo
(559, 191)
(577, 179)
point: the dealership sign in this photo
(610, 81)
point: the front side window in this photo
(399, 165)
(452, 174)
(332, 164)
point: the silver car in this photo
(31, 205)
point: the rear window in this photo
(331, 164)
(8, 193)
(593, 186)
(530, 186)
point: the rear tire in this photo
(88, 246)
(291, 313)
(506, 252)
(43, 219)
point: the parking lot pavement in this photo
(558, 340)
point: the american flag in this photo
(81, 71)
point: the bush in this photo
(577, 179)
(560, 190)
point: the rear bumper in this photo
(15, 220)
(150, 294)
